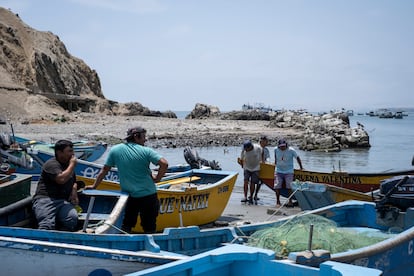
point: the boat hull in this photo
(312, 196)
(393, 256)
(32, 257)
(14, 188)
(197, 202)
(362, 182)
(245, 261)
(102, 212)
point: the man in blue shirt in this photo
(133, 162)
(284, 156)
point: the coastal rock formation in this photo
(203, 111)
(41, 82)
(37, 67)
(328, 132)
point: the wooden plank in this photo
(179, 180)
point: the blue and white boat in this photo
(84, 150)
(393, 256)
(244, 260)
(99, 212)
(33, 257)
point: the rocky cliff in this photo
(38, 63)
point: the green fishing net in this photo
(293, 236)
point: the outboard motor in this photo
(396, 196)
(397, 191)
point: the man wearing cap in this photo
(250, 159)
(284, 156)
(133, 162)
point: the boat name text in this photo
(185, 203)
(330, 179)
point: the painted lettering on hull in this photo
(93, 173)
(185, 203)
(330, 179)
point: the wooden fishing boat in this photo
(14, 188)
(393, 256)
(84, 149)
(235, 259)
(362, 182)
(100, 212)
(31, 162)
(194, 197)
(33, 257)
(312, 195)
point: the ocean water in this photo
(391, 149)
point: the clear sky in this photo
(170, 55)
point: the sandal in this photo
(289, 205)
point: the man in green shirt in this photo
(133, 162)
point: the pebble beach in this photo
(162, 132)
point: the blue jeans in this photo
(55, 214)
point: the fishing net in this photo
(293, 236)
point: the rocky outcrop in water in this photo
(204, 111)
(328, 132)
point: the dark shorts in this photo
(147, 208)
(252, 176)
(286, 178)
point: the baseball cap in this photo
(247, 144)
(133, 130)
(263, 137)
(282, 143)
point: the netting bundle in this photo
(293, 236)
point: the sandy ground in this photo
(237, 213)
(93, 125)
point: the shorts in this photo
(252, 176)
(147, 208)
(284, 178)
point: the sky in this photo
(318, 55)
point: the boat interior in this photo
(96, 209)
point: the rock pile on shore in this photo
(329, 132)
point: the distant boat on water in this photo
(257, 106)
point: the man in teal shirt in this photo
(133, 161)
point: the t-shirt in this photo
(47, 186)
(284, 160)
(251, 159)
(266, 154)
(133, 163)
